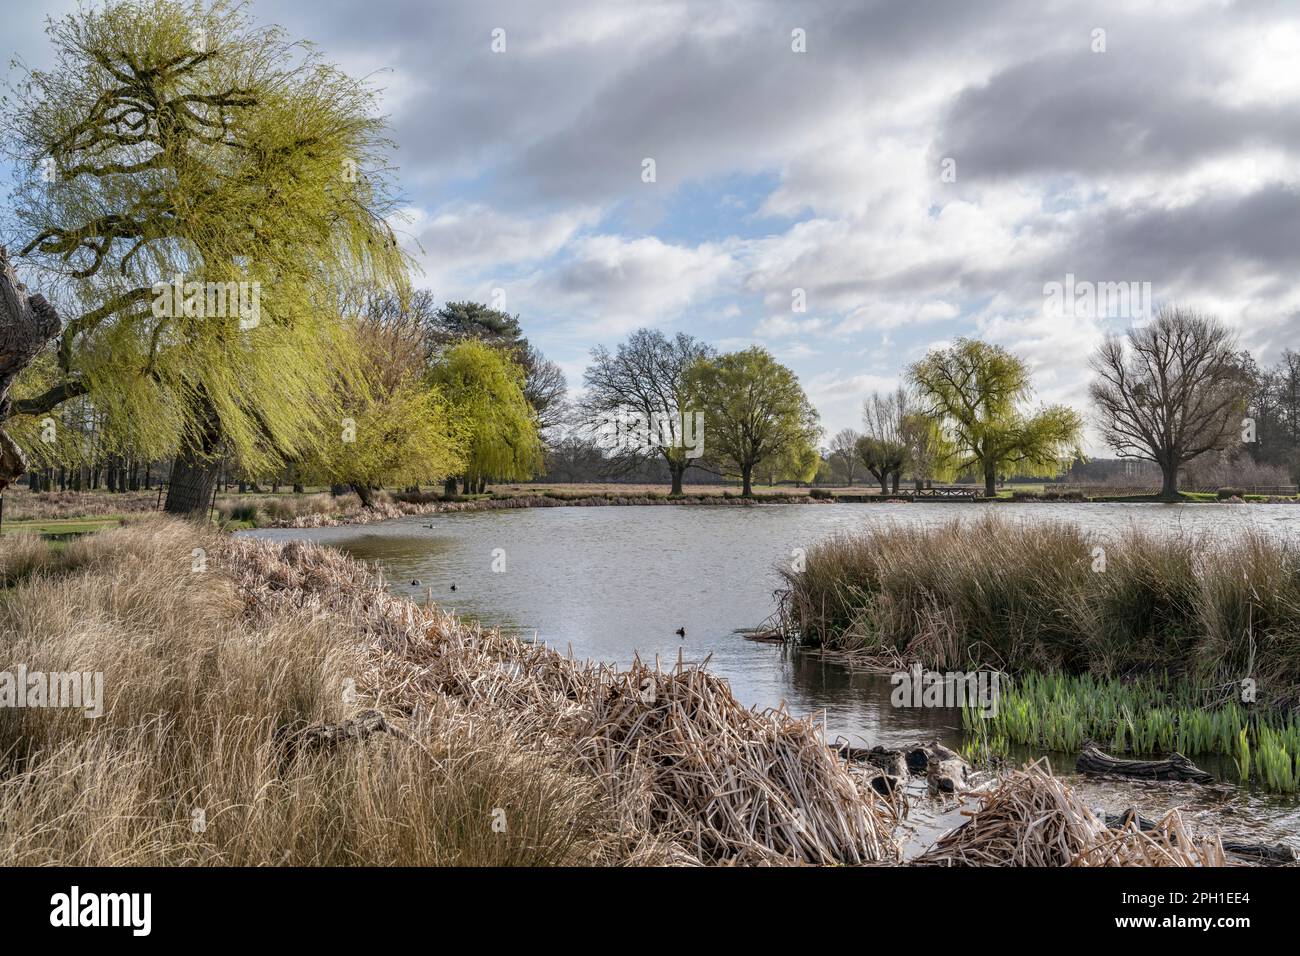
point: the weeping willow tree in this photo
(976, 392)
(486, 388)
(193, 189)
(406, 433)
(397, 426)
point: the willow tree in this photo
(396, 426)
(977, 393)
(928, 455)
(192, 189)
(754, 411)
(403, 434)
(486, 389)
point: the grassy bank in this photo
(273, 705)
(226, 662)
(992, 594)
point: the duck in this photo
(415, 582)
(681, 632)
(453, 586)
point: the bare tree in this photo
(645, 377)
(927, 451)
(883, 449)
(844, 450)
(1170, 391)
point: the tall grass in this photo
(991, 593)
(184, 765)
(280, 509)
(217, 651)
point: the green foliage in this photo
(754, 410)
(404, 435)
(881, 457)
(457, 321)
(976, 392)
(929, 455)
(1153, 714)
(486, 389)
(187, 141)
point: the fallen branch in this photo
(1174, 767)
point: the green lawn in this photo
(63, 527)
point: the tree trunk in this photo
(27, 322)
(1092, 760)
(746, 474)
(363, 492)
(895, 482)
(884, 482)
(195, 468)
(676, 471)
(1169, 490)
(449, 487)
(990, 480)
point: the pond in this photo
(614, 582)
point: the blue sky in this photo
(1163, 150)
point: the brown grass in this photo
(986, 593)
(506, 754)
(23, 505)
(1032, 819)
(200, 672)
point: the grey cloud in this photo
(1142, 106)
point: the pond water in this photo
(615, 582)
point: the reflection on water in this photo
(616, 582)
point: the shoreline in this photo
(584, 758)
(397, 508)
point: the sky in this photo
(844, 182)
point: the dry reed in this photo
(1033, 819)
(683, 761)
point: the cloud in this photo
(1172, 158)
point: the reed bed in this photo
(984, 594)
(494, 751)
(1145, 715)
(690, 770)
(200, 673)
(1032, 819)
(499, 752)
